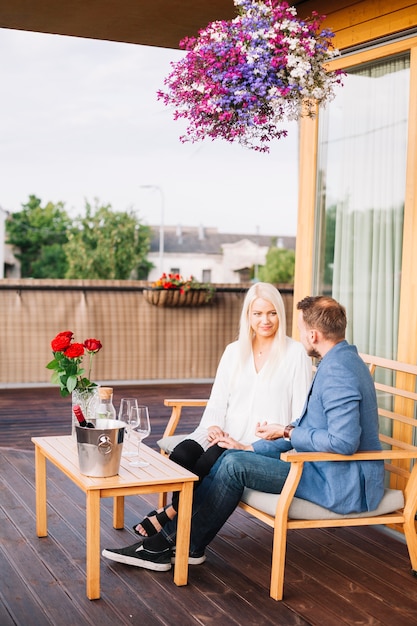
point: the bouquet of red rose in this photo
(67, 362)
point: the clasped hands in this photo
(218, 436)
(263, 430)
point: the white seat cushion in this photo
(392, 500)
(167, 444)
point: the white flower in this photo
(292, 42)
(292, 26)
(218, 36)
(317, 93)
(195, 87)
(252, 58)
(293, 60)
(301, 69)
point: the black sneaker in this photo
(138, 556)
(194, 558)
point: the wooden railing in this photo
(141, 342)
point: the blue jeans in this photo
(220, 492)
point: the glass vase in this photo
(87, 399)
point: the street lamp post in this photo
(161, 224)
(3, 216)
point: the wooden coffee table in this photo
(161, 475)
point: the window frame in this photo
(308, 143)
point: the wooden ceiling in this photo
(160, 23)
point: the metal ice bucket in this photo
(100, 448)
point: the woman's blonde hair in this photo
(268, 292)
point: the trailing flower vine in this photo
(241, 79)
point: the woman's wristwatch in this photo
(287, 431)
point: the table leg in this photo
(183, 534)
(40, 489)
(119, 512)
(93, 543)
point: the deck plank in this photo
(37, 412)
(332, 577)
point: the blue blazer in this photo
(341, 416)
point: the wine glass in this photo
(126, 405)
(140, 418)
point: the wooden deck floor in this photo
(333, 577)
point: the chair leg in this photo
(163, 497)
(281, 528)
(411, 539)
(162, 500)
(278, 561)
(410, 518)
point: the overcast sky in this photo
(79, 120)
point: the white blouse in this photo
(236, 406)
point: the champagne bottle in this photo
(80, 417)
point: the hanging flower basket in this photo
(241, 79)
(172, 290)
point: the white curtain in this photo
(362, 164)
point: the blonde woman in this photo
(263, 377)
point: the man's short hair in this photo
(325, 314)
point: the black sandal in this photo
(162, 518)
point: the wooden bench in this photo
(395, 384)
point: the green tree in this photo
(106, 244)
(51, 262)
(38, 234)
(279, 267)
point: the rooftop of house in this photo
(198, 239)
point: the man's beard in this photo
(314, 354)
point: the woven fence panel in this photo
(141, 342)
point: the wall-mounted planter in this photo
(174, 297)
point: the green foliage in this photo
(38, 233)
(51, 263)
(65, 373)
(107, 245)
(279, 267)
(103, 244)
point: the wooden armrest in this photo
(374, 455)
(185, 402)
(177, 405)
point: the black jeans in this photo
(191, 455)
